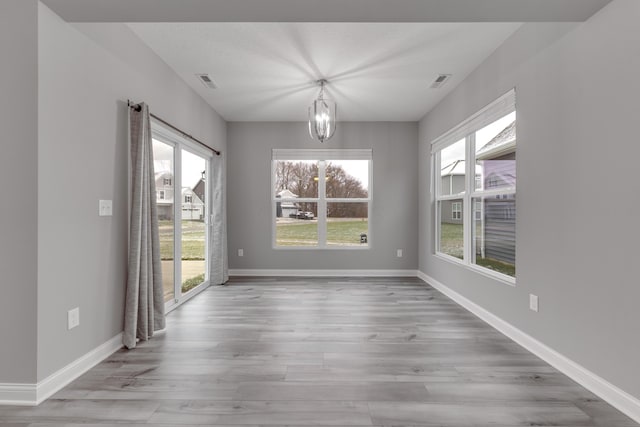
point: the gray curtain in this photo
(144, 303)
(218, 259)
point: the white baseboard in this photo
(621, 400)
(323, 273)
(34, 394)
(18, 394)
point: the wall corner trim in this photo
(323, 273)
(621, 400)
(34, 394)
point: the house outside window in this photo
(475, 167)
(321, 198)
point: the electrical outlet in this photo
(533, 302)
(240, 252)
(399, 253)
(105, 208)
(73, 318)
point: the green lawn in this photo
(451, 240)
(346, 232)
(191, 283)
(495, 265)
(193, 233)
(343, 232)
(451, 243)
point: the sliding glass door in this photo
(182, 198)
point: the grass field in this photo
(193, 233)
(452, 241)
(343, 232)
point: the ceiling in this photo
(380, 56)
(325, 10)
(376, 72)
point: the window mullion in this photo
(467, 208)
(322, 204)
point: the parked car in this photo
(302, 215)
(305, 215)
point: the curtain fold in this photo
(218, 258)
(144, 302)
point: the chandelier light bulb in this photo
(322, 116)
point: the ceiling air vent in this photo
(206, 80)
(440, 80)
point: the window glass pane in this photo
(452, 168)
(193, 198)
(451, 240)
(347, 179)
(296, 179)
(299, 227)
(494, 233)
(348, 224)
(163, 166)
(496, 154)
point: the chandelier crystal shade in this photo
(322, 116)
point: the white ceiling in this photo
(379, 55)
(377, 71)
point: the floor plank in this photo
(323, 352)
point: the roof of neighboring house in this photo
(199, 189)
(503, 143)
(287, 194)
(457, 168)
(163, 174)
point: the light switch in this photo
(106, 208)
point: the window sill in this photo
(503, 278)
(323, 248)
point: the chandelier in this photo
(322, 116)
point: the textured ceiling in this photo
(377, 71)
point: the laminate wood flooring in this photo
(322, 352)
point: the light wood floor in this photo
(298, 352)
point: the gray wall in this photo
(578, 150)
(18, 189)
(393, 222)
(86, 74)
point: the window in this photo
(456, 210)
(166, 181)
(321, 198)
(161, 195)
(188, 198)
(475, 167)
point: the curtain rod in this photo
(138, 108)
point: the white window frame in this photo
(179, 143)
(501, 107)
(322, 156)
